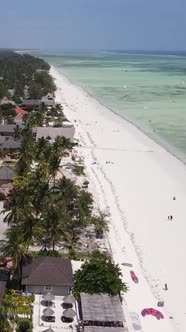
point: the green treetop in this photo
(99, 275)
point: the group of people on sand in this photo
(171, 217)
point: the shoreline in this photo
(162, 143)
(138, 204)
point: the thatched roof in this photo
(101, 307)
(103, 329)
(48, 297)
(69, 313)
(48, 312)
(6, 173)
(10, 128)
(53, 132)
(31, 102)
(48, 330)
(69, 299)
(45, 270)
(11, 144)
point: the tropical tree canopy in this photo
(20, 70)
(4, 322)
(99, 275)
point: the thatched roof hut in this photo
(101, 307)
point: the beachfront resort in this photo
(78, 235)
(56, 269)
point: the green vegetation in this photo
(98, 275)
(40, 213)
(45, 83)
(100, 223)
(18, 304)
(2, 196)
(45, 252)
(5, 325)
(42, 209)
(24, 325)
(8, 113)
(78, 170)
(18, 71)
(16, 99)
(15, 305)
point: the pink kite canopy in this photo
(153, 312)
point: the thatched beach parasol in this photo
(69, 313)
(48, 297)
(69, 299)
(48, 312)
(48, 330)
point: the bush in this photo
(32, 297)
(58, 125)
(78, 170)
(99, 255)
(24, 325)
(2, 196)
(72, 254)
(17, 99)
(51, 253)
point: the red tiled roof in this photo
(20, 111)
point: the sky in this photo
(93, 24)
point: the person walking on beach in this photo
(166, 288)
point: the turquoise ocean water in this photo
(149, 90)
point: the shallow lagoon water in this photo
(149, 90)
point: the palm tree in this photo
(61, 144)
(65, 189)
(54, 165)
(39, 189)
(84, 206)
(36, 119)
(100, 223)
(18, 206)
(43, 149)
(54, 225)
(70, 238)
(29, 230)
(14, 247)
(2, 153)
(58, 107)
(76, 205)
(27, 151)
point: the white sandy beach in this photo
(137, 186)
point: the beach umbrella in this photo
(48, 312)
(7, 186)
(69, 299)
(48, 330)
(48, 297)
(69, 313)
